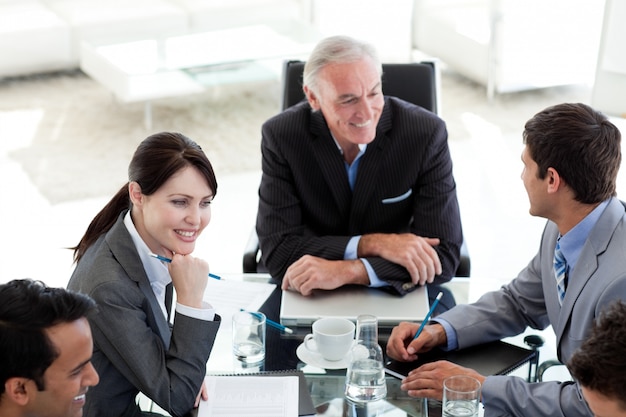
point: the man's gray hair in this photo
(336, 49)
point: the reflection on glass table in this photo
(327, 391)
(325, 385)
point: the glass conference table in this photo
(326, 386)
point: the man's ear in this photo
(16, 390)
(311, 98)
(554, 180)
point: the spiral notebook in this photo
(248, 390)
(494, 358)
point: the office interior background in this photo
(66, 140)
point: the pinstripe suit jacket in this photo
(134, 347)
(404, 184)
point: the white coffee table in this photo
(152, 69)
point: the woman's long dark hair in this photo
(156, 159)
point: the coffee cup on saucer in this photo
(331, 338)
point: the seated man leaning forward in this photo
(357, 187)
(45, 350)
(599, 365)
(571, 159)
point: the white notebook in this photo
(351, 301)
(253, 395)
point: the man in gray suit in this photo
(357, 188)
(571, 159)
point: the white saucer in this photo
(315, 359)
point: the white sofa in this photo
(506, 45)
(512, 45)
(385, 24)
(223, 14)
(45, 35)
(32, 38)
(38, 45)
(113, 21)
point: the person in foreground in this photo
(45, 350)
(599, 365)
(357, 188)
(162, 210)
(571, 159)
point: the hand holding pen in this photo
(402, 343)
(168, 260)
(430, 313)
(189, 277)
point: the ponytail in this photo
(103, 221)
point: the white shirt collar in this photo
(362, 146)
(159, 276)
(157, 271)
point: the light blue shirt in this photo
(352, 246)
(571, 244)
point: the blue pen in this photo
(168, 260)
(270, 322)
(430, 312)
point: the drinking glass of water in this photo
(249, 337)
(461, 396)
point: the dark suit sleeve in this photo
(131, 355)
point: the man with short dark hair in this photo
(599, 365)
(571, 159)
(45, 350)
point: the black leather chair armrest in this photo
(464, 268)
(251, 254)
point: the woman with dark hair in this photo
(162, 210)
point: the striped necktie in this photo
(560, 272)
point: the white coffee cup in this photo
(332, 338)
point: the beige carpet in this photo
(66, 129)
(74, 140)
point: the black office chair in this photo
(413, 82)
(416, 83)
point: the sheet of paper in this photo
(230, 295)
(242, 396)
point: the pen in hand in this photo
(168, 260)
(430, 312)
